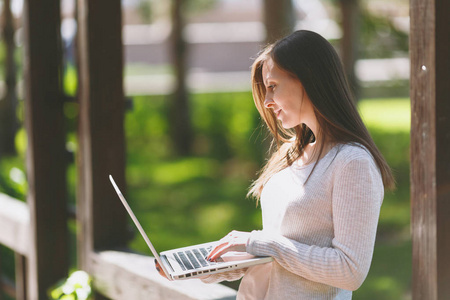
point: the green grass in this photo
(388, 121)
(386, 114)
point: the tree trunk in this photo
(8, 103)
(279, 19)
(179, 112)
(349, 44)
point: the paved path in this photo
(374, 71)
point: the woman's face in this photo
(287, 98)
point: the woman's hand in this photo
(234, 241)
(159, 269)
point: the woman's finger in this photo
(159, 269)
(219, 253)
(215, 251)
(233, 241)
(224, 248)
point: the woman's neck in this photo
(314, 152)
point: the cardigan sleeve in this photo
(356, 200)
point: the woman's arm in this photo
(226, 276)
(356, 200)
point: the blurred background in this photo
(194, 139)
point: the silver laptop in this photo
(190, 262)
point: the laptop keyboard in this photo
(193, 259)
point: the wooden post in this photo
(101, 216)
(46, 155)
(21, 277)
(279, 19)
(8, 103)
(430, 144)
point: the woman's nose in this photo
(268, 102)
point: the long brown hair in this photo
(314, 62)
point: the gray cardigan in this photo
(321, 234)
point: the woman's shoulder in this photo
(346, 153)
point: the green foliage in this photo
(213, 181)
(388, 121)
(13, 178)
(145, 10)
(70, 83)
(76, 287)
(379, 38)
(196, 6)
(148, 11)
(224, 126)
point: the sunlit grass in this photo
(388, 121)
(183, 170)
(386, 114)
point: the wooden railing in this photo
(117, 274)
(14, 234)
(14, 223)
(122, 276)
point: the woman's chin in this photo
(287, 125)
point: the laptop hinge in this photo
(166, 261)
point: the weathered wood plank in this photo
(46, 154)
(430, 143)
(123, 276)
(101, 133)
(14, 224)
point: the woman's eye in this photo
(272, 86)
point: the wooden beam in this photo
(101, 138)
(8, 103)
(46, 154)
(430, 144)
(14, 224)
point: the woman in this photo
(321, 190)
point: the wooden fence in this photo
(118, 274)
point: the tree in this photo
(279, 19)
(349, 44)
(179, 111)
(8, 103)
